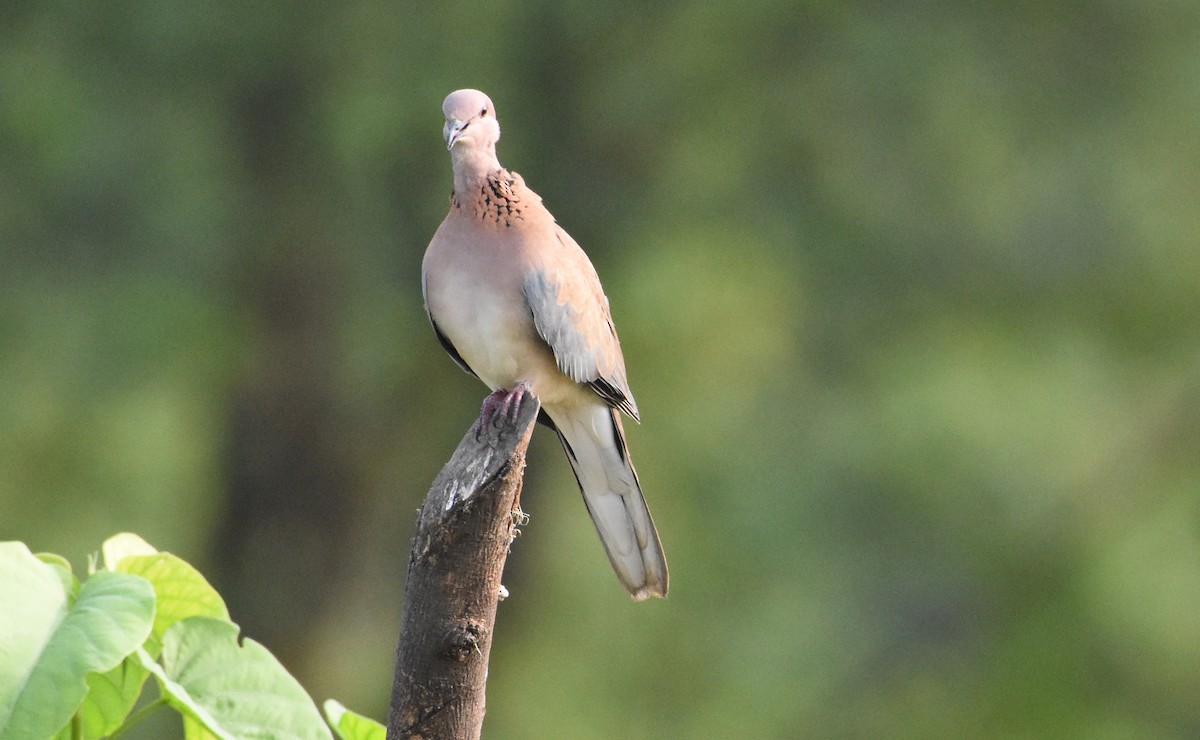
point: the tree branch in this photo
(466, 525)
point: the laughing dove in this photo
(516, 302)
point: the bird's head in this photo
(470, 121)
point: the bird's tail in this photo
(595, 445)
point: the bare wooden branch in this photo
(466, 525)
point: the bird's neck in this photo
(472, 165)
(499, 198)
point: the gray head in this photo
(470, 121)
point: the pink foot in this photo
(503, 402)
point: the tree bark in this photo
(464, 530)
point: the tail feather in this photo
(595, 445)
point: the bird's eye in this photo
(483, 112)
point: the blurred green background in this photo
(909, 295)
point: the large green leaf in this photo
(181, 590)
(351, 725)
(47, 648)
(232, 690)
(33, 600)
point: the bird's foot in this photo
(503, 404)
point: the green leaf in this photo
(123, 545)
(233, 690)
(351, 725)
(49, 648)
(193, 729)
(33, 600)
(182, 591)
(111, 697)
(62, 567)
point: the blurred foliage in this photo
(907, 292)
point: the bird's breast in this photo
(476, 298)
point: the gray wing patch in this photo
(594, 361)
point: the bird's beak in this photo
(452, 131)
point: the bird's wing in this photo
(571, 314)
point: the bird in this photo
(516, 302)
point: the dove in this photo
(517, 303)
